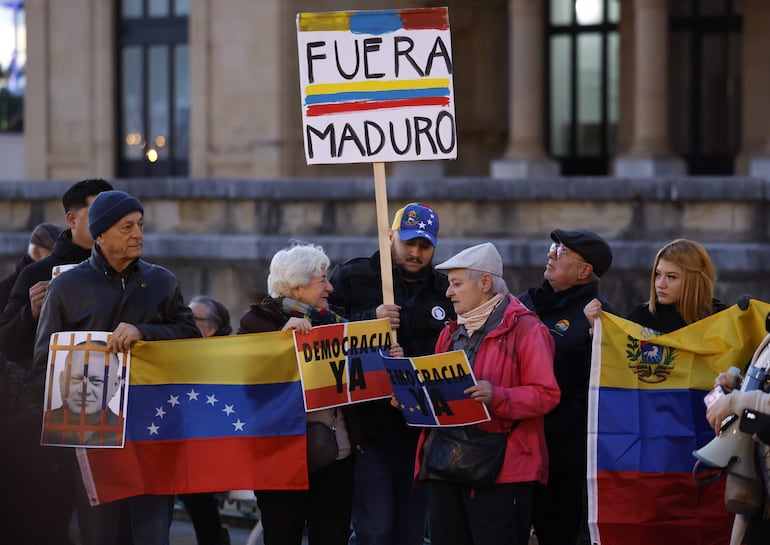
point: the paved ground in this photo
(182, 532)
(239, 514)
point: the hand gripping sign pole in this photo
(376, 87)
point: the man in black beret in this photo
(576, 260)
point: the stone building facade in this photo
(247, 191)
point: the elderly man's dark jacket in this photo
(562, 313)
(17, 326)
(95, 297)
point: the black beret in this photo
(590, 246)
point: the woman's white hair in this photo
(294, 267)
(498, 283)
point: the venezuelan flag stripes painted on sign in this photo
(213, 414)
(646, 416)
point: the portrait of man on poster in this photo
(88, 382)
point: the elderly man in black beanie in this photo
(576, 260)
(114, 290)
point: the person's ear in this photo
(70, 219)
(486, 282)
(586, 271)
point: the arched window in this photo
(153, 88)
(582, 82)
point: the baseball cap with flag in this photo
(416, 220)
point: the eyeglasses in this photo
(560, 250)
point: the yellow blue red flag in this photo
(221, 413)
(647, 416)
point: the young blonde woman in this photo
(681, 289)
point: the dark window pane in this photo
(561, 12)
(133, 104)
(712, 8)
(680, 91)
(159, 95)
(680, 8)
(561, 111)
(181, 138)
(613, 87)
(158, 8)
(181, 8)
(131, 9)
(589, 94)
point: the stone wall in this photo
(218, 235)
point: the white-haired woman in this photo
(299, 289)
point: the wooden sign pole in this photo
(383, 226)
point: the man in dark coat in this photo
(387, 509)
(45, 472)
(40, 245)
(115, 291)
(18, 321)
(576, 260)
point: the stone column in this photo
(755, 72)
(650, 153)
(525, 156)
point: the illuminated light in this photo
(588, 11)
(160, 141)
(152, 155)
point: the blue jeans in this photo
(387, 509)
(149, 518)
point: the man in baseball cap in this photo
(416, 220)
(384, 475)
(576, 260)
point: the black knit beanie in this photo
(108, 208)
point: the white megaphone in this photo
(732, 450)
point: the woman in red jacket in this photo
(511, 354)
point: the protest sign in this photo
(341, 363)
(85, 391)
(376, 86)
(429, 389)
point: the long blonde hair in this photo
(698, 280)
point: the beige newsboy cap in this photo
(482, 257)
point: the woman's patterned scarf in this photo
(297, 309)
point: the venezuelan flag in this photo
(221, 413)
(646, 416)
